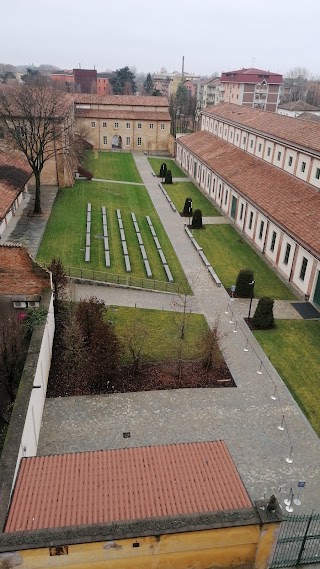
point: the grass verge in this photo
(228, 253)
(294, 349)
(179, 191)
(155, 164)
(112, 166)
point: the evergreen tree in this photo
(148, 85)
(263, 317)
(243, 283)
(123, 82)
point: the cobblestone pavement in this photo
(246, 417)
(26, 228)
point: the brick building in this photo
(85, 80)
(251, 88)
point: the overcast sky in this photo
(213, 35)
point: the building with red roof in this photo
(251, 88)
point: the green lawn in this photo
(163, 331)
(112, 166)
(179, 191)
(155, 164)
(228, 253)
(294, 350)
(64, 236)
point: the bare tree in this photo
(297, 80)
(36, 119)
(183, 305)
(135, 338)
(209, 344)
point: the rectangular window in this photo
(290, 161)
(237, 139)
(287, 254)
(116, 125)
(259, 147)
(303, 268)
(219, 190)
(139, 141)
(269, 151)
(128, 141)
(273, 241)
(225, 132)
(104, 124)
(105, 140)
(231, 134)
(317, 176)
(151, 125)
(250, 220)
(139, 125)
(303, 166)
(226, 198)
(251, 144)
(93, 124)
(241, 211)
(128, 125)
(261, 229)
(244, 140)
(279, 156)
(162, 126)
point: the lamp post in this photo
(251, 298)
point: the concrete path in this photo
(117, 182)
(246, 417)
(26, 228)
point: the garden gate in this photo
(298, 541)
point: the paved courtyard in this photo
(246, 417)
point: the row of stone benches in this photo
(159, 248)
(167, 197)
(124, 243)
(141, 245)
(88, 234)
(105, 237)
(203, 257)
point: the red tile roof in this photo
(293, 204)
(14, 174)
(298, 106)
(124, 115)
(269, 124)
(125, 484)
(127, 100)
(251, 75)
(19, 274)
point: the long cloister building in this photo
(263, 172)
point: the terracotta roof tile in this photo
(19, 274)
(128, 100)
(293, 204)
(271, 124)
(298, 106)
(125, 115)
(125, 484)
(14, 174)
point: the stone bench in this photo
(122, 235)
(188, 232)
(143, 253)
(214, 276)
(149, 221)
(136, 226)
(105, 231)
(168, 273)
(89, 207)
(140, 241)
(106, 243)
(87, 257)
(88, 240)
(124, 248)
(127, 263)
(147, 267)
(103, 209)
(118, 214)
(107, 258)
(162, 257)
(104, 219)
(120, 223)
(173, 206)
(157, 242)
(88, 215)
(133, 215)
(88, 226)
(204, 259)
(196, 244)
(153, 231)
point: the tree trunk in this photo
(37, 202)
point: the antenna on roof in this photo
(182, 71)
(79, 65)
(253, 60)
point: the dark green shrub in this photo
(243, 287)
(263, 316)
(163, 170)
(187, 208)
(197, 219)
(168, 177)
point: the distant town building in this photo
(167, 83)
(86, 80)
(208, 92)
(251, 88)
(297, 108)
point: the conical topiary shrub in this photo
(187, 208)
(263, 317)
(244, 288)
(168, 177)
(163, 170)
(197, 219)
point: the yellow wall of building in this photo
(245, 547)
